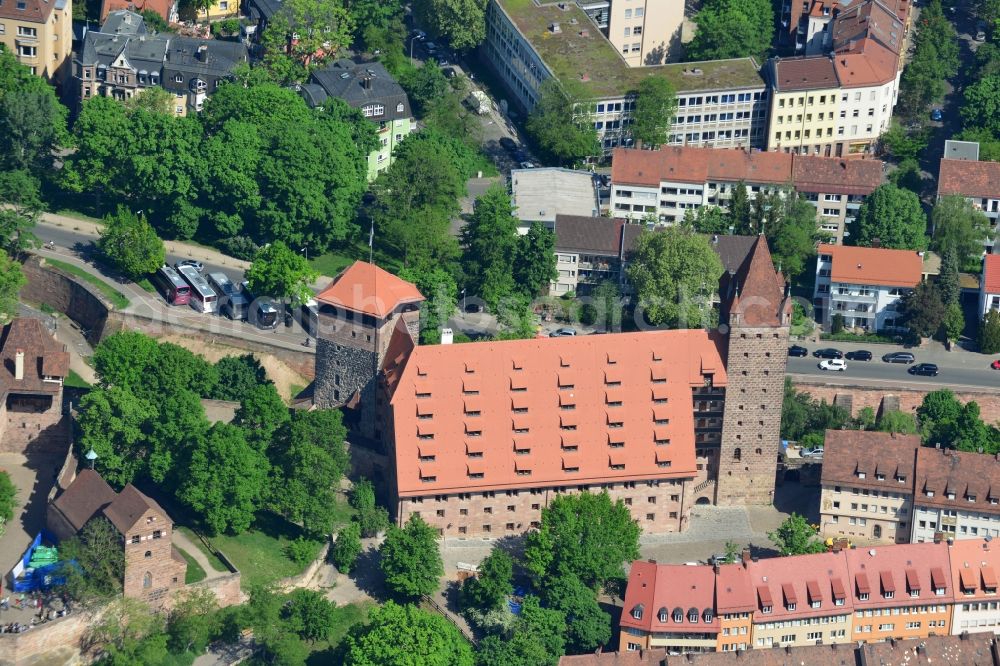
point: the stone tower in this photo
(757, 310)
(358, 315)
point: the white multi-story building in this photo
(974, 567)
(956, 494)
(979, 183)
(864, 284)
(721, 103)
(666, 183)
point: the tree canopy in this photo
(893, 217)
(958, 228)
(461, 22)
(279, 272)
(732, 29)
(795, 536)
(130, 244)
(561, 122)
(411, 560)
(655, 105)
(404, 635)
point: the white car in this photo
(837, 364)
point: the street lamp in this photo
(91, 455)
(463, 301)
(306, 250)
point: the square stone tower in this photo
(358, 313)
(757, 311)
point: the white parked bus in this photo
(203, 297)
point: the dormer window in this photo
(929, 493)
(678, 615)
(970, 498)
(790, 606)
(373, 110)
(862, 596)
(707, 615)
(950, 496)
(178, 78)
(765, 609)
(399, 107)
(880, 477)
(861, 475)
(816, 603)
(637, 612)
(900, 478)
(888, 594)
(662, 616)
(693, 616)
(915, 592)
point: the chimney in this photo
(366, 82)
(745, 556)
(922, 648)
(202, 53)
(19, 365)
(447, 336)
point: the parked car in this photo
(899, 357)
(937, 115)
(981, 31)
(527, 165)
(197, 265)
(508, 144)
(859, 355)
(813, 453)
(419, 35)
(835, 364)
(431, 48)
(449, 72)
(925, 369)
(995, 364)
(828, 352)
(798, 350)
(563, 332)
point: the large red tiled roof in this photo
(868, 20)
(905, 570)
(550, 411)
(665, 588)
(691, 164)
(836, 176)
(84, 498)
(867, 63)
(36, 11)
(873, 265)
(991, 274)
(366, 288)
(161, 7)
(875, 454)
(733, 592)
(812, 73)
(969, 179)
(973, 480)
(791, 585)
(44, 356)
(975, 564)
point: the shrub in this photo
(301, 551)
(241, 247)
(837, 324)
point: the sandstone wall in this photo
(63, 292)
(908, 399)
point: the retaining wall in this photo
(908, 399)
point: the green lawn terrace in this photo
(581, 52)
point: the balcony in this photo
(853, 296)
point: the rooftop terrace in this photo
(594, 61)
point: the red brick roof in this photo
(874, 454)
(836, 176)
(44, 356)
(895, 569)
(868, 20)
(733, 591)
(874, 266)
(366, 288)
(868, 63)
(461, 408)
(974, 567)
(969, 179)
(161, 7)
(991, 274)
(36, 11)
(800, 580)
(812, 73)
(691, 164)
(760, 299)
(663, 589)
(963, 474)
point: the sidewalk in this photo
(182, 541)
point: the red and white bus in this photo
(175, 290)
(203, 297)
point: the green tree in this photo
(675, 273)
(8, 499)
(585, 535)
(279, 272)
(238, 375)
(948, 279)
(515, 318)
(733, 551)
(322, 28)
(130, 244)
(954, 322)
(411, 560)
(795, 536)
(547, 625)
(732, 29)
(587, 626)
(792, 238)
(491, 588)
(491, 246)
(424, 86)
(224, 480)
(347, 548)
(441, 298)
(521, 648)
(32, 126)
(311, 614)
(897, 421)
(739, 212)
(981, 107)
(891, 216)
(20, 209)
(262, 413)
(309, 459)
(655, 105)
(922, 310)
(902, 144)
(154, 100)
(561, 122)
(989, 333)
(958, 228)
(11, 281)
(371, 517)
(707, 220)
(935, 59)
(192, 621)
(462, 23)
(939, 413)
(865, 419)
(535, 260)
(113, 423)
(101, 559)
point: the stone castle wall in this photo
(907, 399)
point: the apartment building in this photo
(979, 183)
(974, 567)
(721, 103)
(864, 285)
(867, 485)
(645, 32)
(40, 35)
(541, 194)
(482, 437)
(122, 59)
(670, 181)
(368, 87)
(894, 592)
(956, 494)
(810, 25)
(989, 285)
(589, 251)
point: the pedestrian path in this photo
(182, 541)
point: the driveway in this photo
(34, 478)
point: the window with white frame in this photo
(373, 110)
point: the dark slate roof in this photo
(263, 9)
(345, 79)
(596, 235)
(124, 22)
(142, 51)
(87, 496)
(732, 250)
(216, 61)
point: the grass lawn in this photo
(194, 571)
(77, 215)
(214, 561)
(345, 617)
(296, 389)
(335, 261)
(116, 297)
(73, 380)
(146, 285)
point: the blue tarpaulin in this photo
(32, 579)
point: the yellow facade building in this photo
(39, 33)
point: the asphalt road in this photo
(956, 369)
